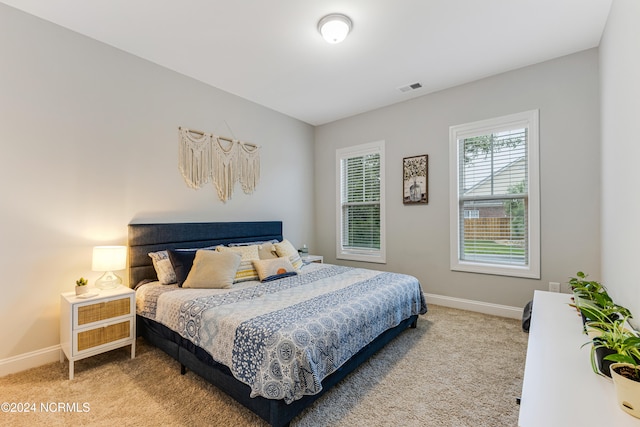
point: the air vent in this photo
(410, 87)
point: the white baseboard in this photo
(29, 360)
(478, 306)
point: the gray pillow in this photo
(162, 265)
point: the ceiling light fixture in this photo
(335, 27)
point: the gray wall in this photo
(90, 143)
(565, 91)
(620, 74)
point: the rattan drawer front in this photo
(103, 310)
(99, 336)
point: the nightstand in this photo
(313, 258)
(90, 326)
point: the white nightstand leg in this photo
(61, 356)
(70, 369)
(133, 349)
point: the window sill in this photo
(378, 259)
(498, 270)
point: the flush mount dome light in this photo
(335, 27)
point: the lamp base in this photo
(108, 280)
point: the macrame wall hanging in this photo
(204, 157)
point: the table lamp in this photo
(108, 259)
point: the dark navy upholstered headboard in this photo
(145, 238)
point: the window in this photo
(360, 204)
(494, 196)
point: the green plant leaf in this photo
(621, 358)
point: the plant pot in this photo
(611, 318)
(604, 365)
(81, 290)
(627, 391)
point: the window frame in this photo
(365, 255)
(526, 119)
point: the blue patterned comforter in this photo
(282, 338)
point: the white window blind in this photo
(494, 180)
(360, 200)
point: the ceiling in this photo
(270, 52)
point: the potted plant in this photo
(626, 380)
(585, 289)
(602, 311)
(81, 286)
(593, 302)
(612, 339)
(585, 292)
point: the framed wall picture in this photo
(415, 180)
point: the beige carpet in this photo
(457, 369)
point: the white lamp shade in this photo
(334, 28)
(109, 258)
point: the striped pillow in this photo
(286, 249)
(246, 270)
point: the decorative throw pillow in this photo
(286, 249)
(213, 270)
(246, 271)
(162, 265)
(267, 251)
(181, 260)
(271, 269)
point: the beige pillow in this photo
(249, 253)
(213, 270)
(285, 249)
(269, 269)
(267, 251)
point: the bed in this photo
(274, 346)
